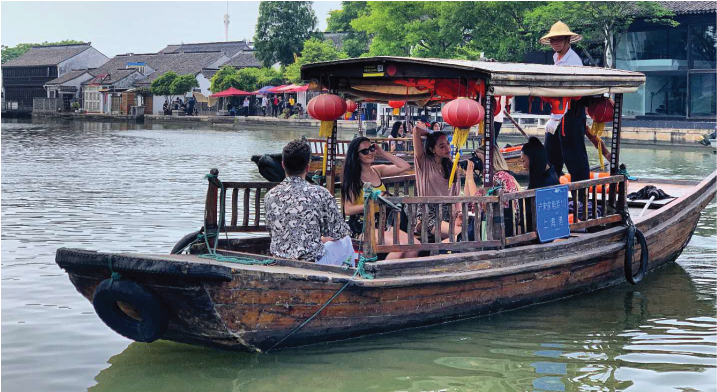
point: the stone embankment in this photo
(630, 135)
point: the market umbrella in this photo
(277, 89)
(231, 91)
(263, 90)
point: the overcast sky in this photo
(133, 26)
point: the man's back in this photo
(298, 214)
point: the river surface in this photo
(136, 188)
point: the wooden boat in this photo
(245, 299)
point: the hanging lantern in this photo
(396, 105)
(327, 108)
(462, 113)
(601, 112)
(496, 105)
(351, 106)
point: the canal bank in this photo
(636, 135)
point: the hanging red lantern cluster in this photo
(396, 105)
(351, 106)
(462, 114)
(602, 111)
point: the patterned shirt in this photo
(298, 214)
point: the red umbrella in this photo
(277, 89)
(231, 91)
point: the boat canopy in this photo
(429, 80)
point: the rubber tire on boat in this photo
(155, 319)
(186, 240)
(632, 231)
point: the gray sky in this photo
(133, 26)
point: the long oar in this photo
(506, 114)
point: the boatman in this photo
(303, 219)
(565, 132)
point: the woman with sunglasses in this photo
(433, 169)
(359, 169)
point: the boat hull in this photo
(252, 308)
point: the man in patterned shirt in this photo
(304, 220)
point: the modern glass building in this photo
(678, 62)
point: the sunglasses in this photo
(367, 151)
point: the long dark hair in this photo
(431, 141)
(396, 126)
(351, 184)
(538, 158)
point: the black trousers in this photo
(496, 131)
(569, 149)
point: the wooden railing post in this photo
(369, 235)
(498, 220)
(210, 207)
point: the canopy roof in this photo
(263, 90)
(424, 80)
(231, 91)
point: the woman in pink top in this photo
(433, 169)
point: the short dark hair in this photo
(296, 156)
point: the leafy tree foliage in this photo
(503, 30)
(314, 50)
(9, 53)
(224, 78)
(281, 30)
(355, 43)
(183, 84)
(163, 85)
(247, 79)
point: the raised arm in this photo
(418, 133)
(398, 166)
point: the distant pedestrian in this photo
(246, 107)
(264, 102)
(275, 108)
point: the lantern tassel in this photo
(323, 164)
(460, 136)
(396, 111)
(597, 130)
(327, 128)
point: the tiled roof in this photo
(243, 60)
(47, 55)
(182, 64)
(68, 76)
(209, 72)
(109, 77)
(230, 48)
(690, 7)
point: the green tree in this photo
(601, 23)
(183, 84)
(281, 30)
(270, 77)
(314, 50)
(355, 43)
(163, 85)
(12, 52)
(224, 78)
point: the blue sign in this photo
(552, 213)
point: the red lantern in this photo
(496, 105)
(463, 113)
(396, 104)
(351, 106)
(327, 108)
(602, 111)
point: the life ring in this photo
(632, 231)
(184, 242)
(154, 317)
(566, 179)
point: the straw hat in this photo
(560, 29)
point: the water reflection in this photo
(609, 340)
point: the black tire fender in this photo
(631, 233)
(155, 318)
(184, 242)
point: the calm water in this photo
(112, 187)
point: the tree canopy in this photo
(12, 52)
(281, 30)
(314, 50)
(169, 84)
(247, 79)
(355, 43)
(183, 84)
(502, 30)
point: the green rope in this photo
(623, 172)
(493, 190)
(113, 275)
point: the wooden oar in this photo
(506, 114)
